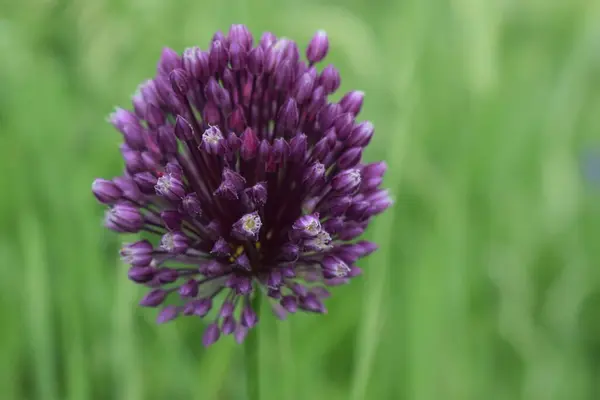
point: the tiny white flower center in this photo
(212, 135)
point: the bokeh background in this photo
(487, 282)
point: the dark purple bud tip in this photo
(318, 47)
(154, 298)
(106, 191)
(211, 334)
(167, 314)
(174, 242)
(138, 253)
(247, 227)
(314, 174)
(169, 60)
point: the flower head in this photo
(249, 177)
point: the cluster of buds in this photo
(249, 178)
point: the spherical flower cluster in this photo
(249, 178)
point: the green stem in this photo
(251, 352)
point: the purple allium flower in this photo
(249, 179)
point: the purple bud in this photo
(243, 262)
(189, 289)
(141, 274)
(333, 225)
(237, 120)
(151, 161)
(212, 141)
(317, 101)
(275, 279)
(351, 231)
(330, 79)
(172, 219)
(247, 227)
(311, 303)
(307, 226)
(318, 47)
(167, 314)
(350, 158)
(313, 174)
(343, 125)
(376, 169)
(154, 298)
(202, 307)
(154, 116)
(106, 191)
(256, 196)
(167, 140)
(240, 333)
(352, 102)
(239, 33)
(170, 187)
(281, 150)
(250, 144)
(124, 218)
(321, 149)
(290, 303)
(289, 252)
(179, 81)
(138, 253)
(167, 275)
(338, 205)
(183, 129)
(346, 181)
(358, 209)
(145, 182)
(226, 309)
(191, 205)
(217, 94)
(211, 335)
(248, 318)
(304, 88)
(288, 115)
(217, 57)
(169, 60)
(228, 325)
(298, 147)
(328, 114)
(256, 59)
(191, 62)
(221, 248)
(361, 134)
(319, 243)
(175, 242)
(283, 76)
(237, 57)
(267, 40)
(333, 267)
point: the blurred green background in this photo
(487, 282)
